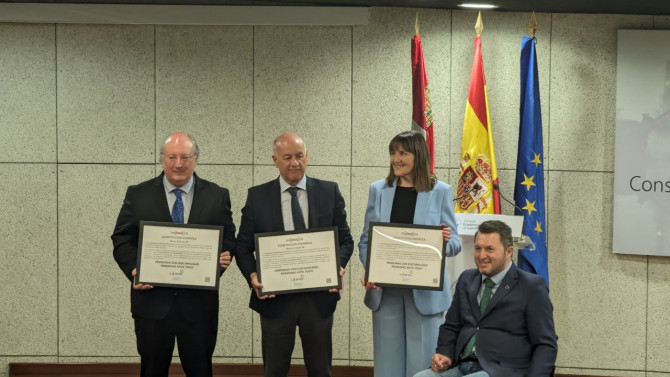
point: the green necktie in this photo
(486, 297)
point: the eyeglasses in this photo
(185, 158)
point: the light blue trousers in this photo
(463, 369)
(404, 339)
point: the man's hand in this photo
(446, 233)
(257, 285)
(225, 259)
(140, 287)
(440, 363)
(370, 285)
(335, 290)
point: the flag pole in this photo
(479, 25)
(416, 24)
(532, 27)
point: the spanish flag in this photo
(478, 177)
(422, 114)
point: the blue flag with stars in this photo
(529, 184)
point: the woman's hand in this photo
(446, 233)
(369, 285)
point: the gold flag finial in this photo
(479, 26)
(416, 24)
(532, 27)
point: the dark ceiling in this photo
(651, 7)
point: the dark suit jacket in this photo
(147, 201)
(515, 335)
(262, 213)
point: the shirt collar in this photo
(185, 188)
(283, 185)
(497, 278)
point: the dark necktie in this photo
(178, 208)
(298, 220)
(486, 297)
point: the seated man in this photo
(500, 322)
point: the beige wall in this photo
(83, 109)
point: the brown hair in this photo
(413, 142)
(497, 226)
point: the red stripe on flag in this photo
(477, 81)
(496, 198)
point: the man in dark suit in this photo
(162, 314)
(500, 323)
(283, 204)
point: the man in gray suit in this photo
(500, 323)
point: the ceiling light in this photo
(477, 6)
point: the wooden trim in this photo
(133, 370)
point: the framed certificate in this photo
(298, 261)
(179, 255)
(405, 256)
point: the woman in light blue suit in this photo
(406, 321)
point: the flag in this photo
(478, 174)
(529, 184)
(422, 115)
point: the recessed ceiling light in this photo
(477, 6)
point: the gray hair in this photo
(195, 143)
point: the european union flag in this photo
(529, 187)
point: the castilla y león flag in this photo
(422, 116)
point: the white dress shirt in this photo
(287, 214)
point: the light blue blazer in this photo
(432, 208)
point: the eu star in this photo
(528, 181)
(530, 207)
(536, 160)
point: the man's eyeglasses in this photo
(185, 158)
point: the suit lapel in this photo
(422, 202)
(506, 285)
(312, 203)
(160, 199)
(387, 202)
(198, 202)
(272, 202)
(472, 291)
